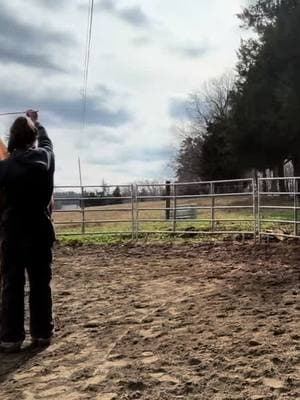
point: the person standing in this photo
(27, 233)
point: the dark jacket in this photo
(26, 182)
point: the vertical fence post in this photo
(136, 201)
(168, 199)
(132, 212)
(258, 222)
(82, 205)
(254, 188)
(295, 207)
(213, 203)
(174, 207)
(297, 204)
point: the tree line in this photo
(88, 198)
(248, 122)
(108, 195)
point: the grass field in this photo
(118, 218)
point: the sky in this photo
(146, 57)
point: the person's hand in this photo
(33, 115)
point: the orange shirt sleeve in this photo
(3, 150)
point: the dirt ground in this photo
(181, 321)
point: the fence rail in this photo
(282, 196)
(268, 206)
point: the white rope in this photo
(13, 113)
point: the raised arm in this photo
(44, 142)
(43, 139)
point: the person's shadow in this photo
(10, 363)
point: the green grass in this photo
(99, 232)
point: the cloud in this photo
(20, 42)
(9, 54)
(142, 41)
(135, 16)
(107, 135)
(17, 31)
(178, 108)
(104, 91)
(132, 15)
(189, 51)
(169, 42)
(124, 155)
(50, 3)
(107, 5)
(96, 139)
(70, 110)
(66, 110)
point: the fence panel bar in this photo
(297, 204)
(82, 204)
(174, 207)
(254, 187)
(168, 199)
(136, 214)
(132, 212)
(213, 199)
(295, 200)
(259, 209)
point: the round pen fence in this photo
(278, 207)
(94, 210)
(267, 207)
(191, 208)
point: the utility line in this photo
(87, 61)
(86, 74)
(86, 48)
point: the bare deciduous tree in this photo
(205, 108)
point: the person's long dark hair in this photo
(22, 134)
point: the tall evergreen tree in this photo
(267, 97)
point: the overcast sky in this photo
(146, 57)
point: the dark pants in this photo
(36, 260)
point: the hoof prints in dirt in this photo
(158, 322)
